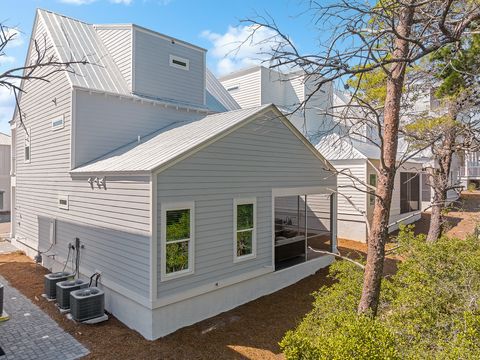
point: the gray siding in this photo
(104, 123)
(247, 163)
(118, 42)
(155, 77)
(111, 223)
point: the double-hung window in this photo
(177, 235)
(245, 229)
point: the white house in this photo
(470, 169)
(186, 205)
(356, 159)
(5, 145)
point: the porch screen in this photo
(409, 192)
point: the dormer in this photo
(155, 65)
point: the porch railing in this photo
(470, 171)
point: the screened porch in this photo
(305, 225)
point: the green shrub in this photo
(428, 310)
(472, 187)
(333, 330)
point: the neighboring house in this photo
(470, 169)
(258, 85)
(357, 162)
(5, 145)
(186, 205)
(353, 155)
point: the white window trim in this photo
(28, 139)
(190, 205)
(233, 87)
(178, 58)
(253, 255)
(60, 125)
(64, 198)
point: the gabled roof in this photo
(74, 39)
(5, 139)
(334, 147)
(179, 140)
(169, 143)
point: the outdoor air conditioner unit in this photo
(64, 289)
(51, 281)
(87, 304)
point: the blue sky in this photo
(214, 25)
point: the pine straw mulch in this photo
(251, 331)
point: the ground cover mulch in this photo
(251, 331)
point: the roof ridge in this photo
(64, 16)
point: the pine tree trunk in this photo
(381, 214)
(436, 218)
(440, 181)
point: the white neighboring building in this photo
(259, 85)
(5, 146)
(470, 169)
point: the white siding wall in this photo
(104, 123)
(118, 42)
(247, 163)
(249, 91)
(351, 223)
(274, 86)
(295, 92)
(113, 224)
(153, 75)
(5, 177)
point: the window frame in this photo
(2, 199)
(58, 123)
(27, 140)
(253, 255)
(371, 197)
(63, 198)
(180, 59)
(165, 207)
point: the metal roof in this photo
(5, 139)
(76, 40)
(218, 98)
(169, 143)
(334, 147)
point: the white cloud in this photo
(240, 47)
(7, 105)
(77, 2)
(6, 60)
(125, 2)
(15, 36)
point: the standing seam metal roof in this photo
(76, 40)
(168, 143)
